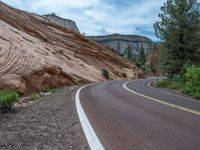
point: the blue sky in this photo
(100, 17)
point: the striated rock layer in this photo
(120, 43)
(36, 55)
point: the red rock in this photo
(13, 82)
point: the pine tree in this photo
(141, 56)
(129, 52)
(179, 30)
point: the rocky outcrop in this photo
(66, 23)
(152, 65)
(120, 42)
(36, 55)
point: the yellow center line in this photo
(160, 101)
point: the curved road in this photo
(125, 120)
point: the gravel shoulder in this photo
(49, 124)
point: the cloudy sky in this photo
(100, 17)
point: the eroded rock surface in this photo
(39, 55)
(152, 64)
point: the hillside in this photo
(36, 54)
(119, 43)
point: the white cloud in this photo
(96, 17)
(60, 4)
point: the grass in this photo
(176, 85)
(171, 84)
(7, 100)
(51, 90)
(37, 96)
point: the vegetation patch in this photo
(192, 86)
(105, 73)
(189, 84)
(171, 84)
(7, 100)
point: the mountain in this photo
(36, 54)
(66, 23)
(119, 43)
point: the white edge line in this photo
(92, 138)
(149, 85)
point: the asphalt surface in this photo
(125, 121)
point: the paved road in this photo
(126, 121)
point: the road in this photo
(145, 119)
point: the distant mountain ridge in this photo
(120, 42)
(66, 23)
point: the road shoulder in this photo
(51, 123)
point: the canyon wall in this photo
(120, 42)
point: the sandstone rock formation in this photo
(120, 42)
(66, 23)
(36, 55)
(152, 64)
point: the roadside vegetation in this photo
(190, 85)
(178, 29)
(171, 84)
(7, 100)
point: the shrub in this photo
(7, 99)
(138, 64)
(192, 86)
(105, 73)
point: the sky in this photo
(100, 17)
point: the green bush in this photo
(105, 73)
(7, 99)
(192, 86)
(171, 84)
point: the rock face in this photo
(36, 55)
(152, 64)
(66, 23)
(120, 42)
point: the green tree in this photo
(179, 30)
(141, 56)
(129, 52)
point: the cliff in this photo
(66, 23)
(120, 42)
(36, 54)
(152, 64)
